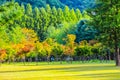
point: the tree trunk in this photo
(48, 59)
(36, 59)
(0, 62)
(117, 51)
(117, 56)
(24, 60)
(9, 60)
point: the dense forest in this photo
(46, 29)
(82, 5)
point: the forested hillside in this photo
(81, 4)
(46, 22)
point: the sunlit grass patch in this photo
(87, 71)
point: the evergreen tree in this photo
(22, 21)
(28, 10)
(54, 17)
(29, 16)
(67, 14)
(73, 15)
(85, 15)
(36, 16)
(78, 14)
(84, 32)
(60, 16)
(49, 13)
(44, 24)
(106, 18)
(37, 21)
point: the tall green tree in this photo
(60, 16)
(49, 13)
(9, 12)
(22, 20)
(78, 14)
(67, 14)
(44, 24)
(29, 16)
(73, 15)
(84, 31)
(54, 17)
(106, 18)
(37, 19)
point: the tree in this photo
(28, 16)
(57, 50)
(28, 10)
(9, 12)
(67, 14)
(27, 43)
(16, 35)
(60, 16)
(3, 55)
(37, 19)
(84, 31)
(48, 47)
(106, 18)
(49, 13)
(22, 20)
(10, 53)
(43, 25)
(85, 15)
(73, 15)
(54, 17)
(78, 14)
(70, 44)
(4, 40)
(83, 52)
(38, 51)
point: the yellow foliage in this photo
(30, 36)
(3, 54)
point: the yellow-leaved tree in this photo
(70, 44)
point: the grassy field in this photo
(56, 71)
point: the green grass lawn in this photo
(56, 71)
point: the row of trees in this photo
(32, 50)
(22, 29)
(46, 22)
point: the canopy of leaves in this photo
(81, 4)
(106, 19)
(84, 32)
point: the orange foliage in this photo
(2, 54)
(70, 44)
(27, 48)
(68, 50)
(47, 47)
(28, 43)
(45, 44)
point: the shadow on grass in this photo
(103, 76)
(70, 69)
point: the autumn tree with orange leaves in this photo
(70, 45)
(3, 55)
